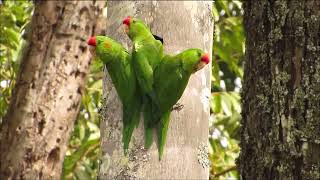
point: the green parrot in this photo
(119, 65)
(170, 80)
(147, 53)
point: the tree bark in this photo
(182, 25)
(280, 136)
(45, 103)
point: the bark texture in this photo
(182, 25)
(45, 103)
(281, 93)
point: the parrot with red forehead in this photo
(119, 65)
(170, 80)
(147, 53)
(162, 79)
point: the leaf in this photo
(81, 173)
(215, 14)
(216, 103)
(71, 161)
(228, 55)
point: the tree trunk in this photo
(45, 103)
(281, 94)
(182, 25)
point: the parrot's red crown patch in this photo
(205, 58)
(126, 21)
(92, 41)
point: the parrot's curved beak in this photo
(126, 29)
(200, 65)
(92, 50)
(204, 60)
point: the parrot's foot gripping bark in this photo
(177, 107)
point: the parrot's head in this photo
(204, 60)
(127, 22)
(98, 43)
(104, 47)
(194, 59)
(135, 27)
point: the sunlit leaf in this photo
(70, 162)
(228, 51)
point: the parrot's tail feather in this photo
(126, 137)
(131, 117)
(147, 129)
(147, 116)
(162, 132)
(148, 138)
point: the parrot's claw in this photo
(177, 107)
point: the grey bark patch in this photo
(203, 155)
(138, 157)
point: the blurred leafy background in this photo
(227, 73)
(81, 160)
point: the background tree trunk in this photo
(45, 103)
(182, 25)
(281, 93)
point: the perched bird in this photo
(147, 53)
(170, 80)
(120, 67)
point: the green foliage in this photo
(82, 158)
(14, 18)
(227, 73)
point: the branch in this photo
(225, 171)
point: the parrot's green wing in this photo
(146, 55)
(172, 76)
(143, 70)
(120, 67)
(170, 82)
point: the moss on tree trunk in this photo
(280, 137)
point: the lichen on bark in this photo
(281, 109)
